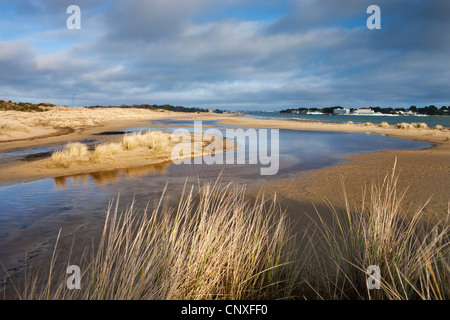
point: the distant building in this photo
(314, 112)
(364, 111)
(341, 111)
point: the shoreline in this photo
(373, 119)
(20, 171)
(423, 173)
(428, 135)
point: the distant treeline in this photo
(24, 106)
(167, 107)
(30, 107)
(429, 110)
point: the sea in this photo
(431, 121)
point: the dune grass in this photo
(421, 125)
(413, 257)
(106, 150)
(404, 125)
(13, 126)
(76, 149)
(154, 140)
(216, 244)
(418, 125)
(73, 151)
(384, 124)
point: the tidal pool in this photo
(33, 212)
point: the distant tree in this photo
(330, 110)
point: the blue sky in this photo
(232, 54)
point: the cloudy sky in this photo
(232, 54)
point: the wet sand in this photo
(39, 136)
(424, 174)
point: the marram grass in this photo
(214, 245)
(413, 256)
(154, 140)
(217, 244)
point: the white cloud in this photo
(178, 52)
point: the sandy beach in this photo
(62, 125)
(425, 174)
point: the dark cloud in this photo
(184, 52)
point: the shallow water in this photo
(431, 121)
(32, 212)
(30, 152)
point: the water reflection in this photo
(111, 176)
(32, 212)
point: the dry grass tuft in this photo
(156, 140)
(76, 149)
(368, 124)
(420, 125)
(59, 156)
(384, 124)
(349, 122)
(106, 150)
(413, 257)
(438, 127)
(13, 126)
(217, 245)
(214, 245)
(73, 151)
(404, 125)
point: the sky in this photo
(227, 54)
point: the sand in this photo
(424, 174)
(62, 125)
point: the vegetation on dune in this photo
(155, 140)
(24, 107)
(412, 256)
(79, 152)
(166, 107)
(40, 107)
(13, 126)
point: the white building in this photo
(364, 111)
(314, 112)
(341, 111)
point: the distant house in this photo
(364, 111)
(341, 111)
(314, 112)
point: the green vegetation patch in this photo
(24, 106)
